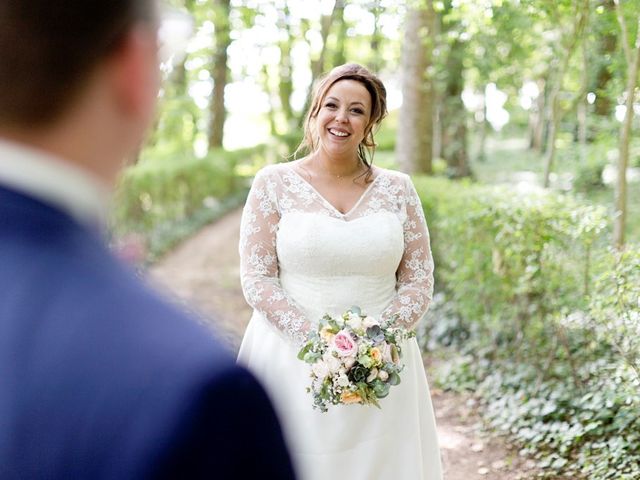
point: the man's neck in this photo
(42, 175)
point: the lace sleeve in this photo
(414, 287)
(259, 261)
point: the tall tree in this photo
(569, 41)
(219, 71)
(607, 44)
(318, 64)
(632, 57)
(537, 118)
(376, 37)
(414, 147)
(453, 115)
(339, 56)
(285, 86)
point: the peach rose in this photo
(350, 397)
(376, 354)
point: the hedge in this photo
(165, 201)
(546, 319)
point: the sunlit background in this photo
(518, 121)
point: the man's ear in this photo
(134, 73)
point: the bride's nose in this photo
(341, 116)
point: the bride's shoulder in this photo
(277, 169)
(273, 172)
(392, 176)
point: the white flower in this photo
(372, 375)
(386, 353)
(349, 362)
(355, 321)
(316, 385)
(370, 322)
(333, 364)
(343, 380)
(383, 375)
(320, 369)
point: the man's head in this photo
(92, 59)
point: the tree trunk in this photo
(454, 118)
(537, 118)
(568, 47)
(376, 38)
(633, 61)
(318, 65)
(219, 72)
(540, 123)
(582, 110)
(606, 50)
(339, 57)
(178, 76)
(285, 86)
(552, 133)
(271, 115)
(582, 130)
(414, 146)
(484, 128)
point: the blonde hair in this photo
(348, 71)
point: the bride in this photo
(319, 235)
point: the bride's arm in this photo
(259, 261)
(414, 287)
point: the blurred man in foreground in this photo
(98, 377)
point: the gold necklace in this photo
(349, 175)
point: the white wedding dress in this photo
(302, 258)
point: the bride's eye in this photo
(330, 105)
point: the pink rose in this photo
(344, 344)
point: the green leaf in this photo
(304, 350)
(394, 379)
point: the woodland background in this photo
(518, 121)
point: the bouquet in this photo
(354, 358)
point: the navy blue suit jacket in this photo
(100, 379)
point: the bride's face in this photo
(343, 117)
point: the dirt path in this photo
(203, 272)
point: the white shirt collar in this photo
(53, 181)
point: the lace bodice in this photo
(301, 257)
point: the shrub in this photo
(166, 200)
(588, 176)
(510, 259)
(546, 321)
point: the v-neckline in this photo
(327, 202)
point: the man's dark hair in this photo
(48, 49)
